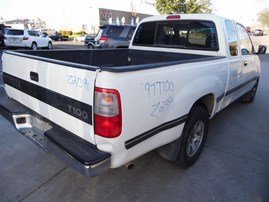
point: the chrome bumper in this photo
(73, 150)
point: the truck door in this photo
(246, 51)
(240, 61)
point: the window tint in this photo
(232, 39)
(114, 31)
(145, 34)
(33, 33)
(15, 32)
(202, 35)
(131, 32)
(178, 34)
(246, 46)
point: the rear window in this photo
(15, 32)
(178, 34)
(114, 31)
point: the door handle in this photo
(34, 76)
(245, 63)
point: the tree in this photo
(183, 6)
(263, 17)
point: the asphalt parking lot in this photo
(234, 165)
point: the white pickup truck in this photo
(101, 109)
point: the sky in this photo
(244, 11)
(58, 12)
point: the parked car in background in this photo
(2, 37)
(114, 36)
(27, 38)
(3, 29)
(258, 32)
(80, 38)
(58, 37)
(89, 41)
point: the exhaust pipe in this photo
(129, 166)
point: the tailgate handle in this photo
(34, 76)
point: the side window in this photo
(246, 46)
(33, 33)
(232, 39)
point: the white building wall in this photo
(88, 16)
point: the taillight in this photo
(25, 38)
(107, 113)
(103, 39)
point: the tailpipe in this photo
(129, 166)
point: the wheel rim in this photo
(195, 138)
(34, 46)
(50, 45)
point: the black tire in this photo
(90, 46)
(34, 46)
(193, 136)
(50, 46)
(250, 96)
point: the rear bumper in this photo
(73, 150)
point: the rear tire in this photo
(250, 96)
(193, 136)
(90, 46)
(34, 46)
(50, 46)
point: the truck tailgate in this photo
(62, 93)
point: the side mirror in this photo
(261, 50)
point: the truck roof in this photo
(212, 17)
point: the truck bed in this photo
(115, 60)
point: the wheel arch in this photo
(171, 150)
(208, 102)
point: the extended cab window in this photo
(246, 45)
(178, 34)
(232, 39)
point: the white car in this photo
(80, 38)
(27, 38)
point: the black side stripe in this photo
(61, 102)
(220, 97)
(241, 86)
(144, 136)
(236, 88)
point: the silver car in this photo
(258, 32)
